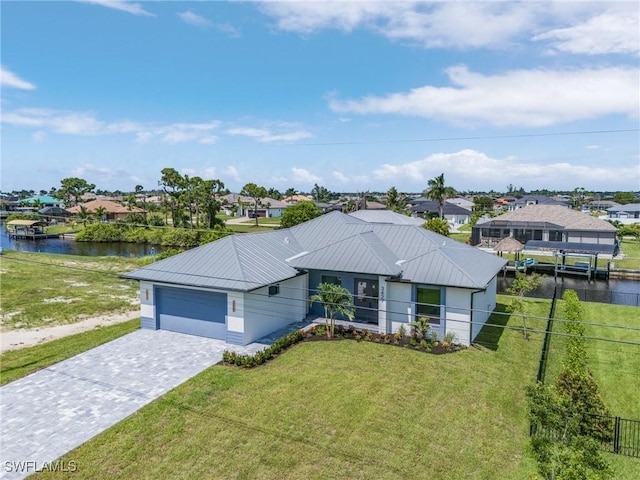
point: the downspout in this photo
(471, 316)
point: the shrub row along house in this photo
(551, 227)
(243, 287)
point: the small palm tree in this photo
(336, 300)
(439, 192)
(100, 213)
(84, 215)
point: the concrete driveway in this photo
(52, 411)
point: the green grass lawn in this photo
(15, 364)
(64, 229)
(339, 409)
(631, 249)
(40, 289)
(247, 228)
(460, 237)
(615, 366)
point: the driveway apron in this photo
(52, 411)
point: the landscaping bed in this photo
(424, 340)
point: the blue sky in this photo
(351, 95)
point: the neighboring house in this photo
(113, 211)
(243, 287)
(553, 226)
(453, 214)
(43, 201)
(627, 214)
(54, 214)
(602, 205)
(293, 199)
(242, 206)
(461, 202)
(536, 200)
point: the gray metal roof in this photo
(629, 208)
(334, 241)
(386, 216)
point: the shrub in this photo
(156, 220)
(180, 238)
(450, 338)
(100, 232)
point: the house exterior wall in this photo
(400, 309)
(483, 304)
(348, 279)
(603, 238)
(264, 314)
(275, 212)
(457, 314)
(147, 306)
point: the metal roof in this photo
(386, 216)
(334, 241)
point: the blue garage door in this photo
(195, 312)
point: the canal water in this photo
(71, 247)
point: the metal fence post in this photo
(616, 436)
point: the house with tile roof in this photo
(243, 206)
(113, 210)
(552, 227)
(243, 287)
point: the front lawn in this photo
(41, 289)
(340, 409)
(19, 363)
(631, 248)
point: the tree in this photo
(320, 194)
(84, 215)
(256, 193)
(336, 300)
(274, 193)
(482, 203)
(396, 202)
(624, 198)
(172, 184)
(100, 213)
(72, 189)
(290, 192)
(299, 213)
(139, 189)
(521, 286)
(439, 192)
(438, 225)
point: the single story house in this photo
(243, 287)
(43, 201)
(629, 213)
(453, 214)
(112, 210)
(242, 206)
(386, 216)
(294, 199)
(54, 214)
(551, 225)
(527, 200)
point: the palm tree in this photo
(84, 215)
(100, 213)
(439, 192)
(336, 300)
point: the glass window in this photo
(537, 234)
(333, 279)
(428, 304)
(274, 290)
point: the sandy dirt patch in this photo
(23, 337)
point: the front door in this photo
(366, 299)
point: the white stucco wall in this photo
(263, 313)
(400, 310)
(483, 304)
(457, 313)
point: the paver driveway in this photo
(52, 411)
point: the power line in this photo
(265, 312)
(453, 139)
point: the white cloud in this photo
(228, 29)
(122, 5)
(340, 177)
(519, 97)
(232, 172)
(573, 27)
(194, 19)
(472, 169)
(8, 79)
(82, 123)
(439, 24)
(616, 30)
(301, 175)
(266, 136)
